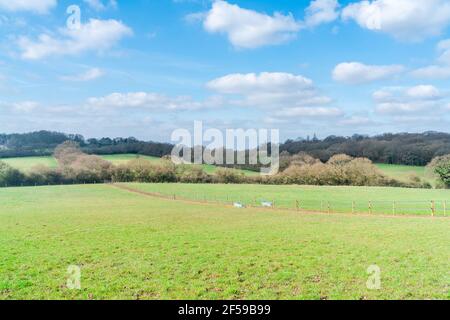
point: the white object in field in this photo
(238, 205)
(267, 204)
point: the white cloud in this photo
(25, 106)
(424, 92)
(358, 73)
(444, 49)
(397, 100)
(150, 100)
(405, 107)
(440, 70)
(269, 90)
(321, 11)
(309, 112)
(98, 5)
(411, 20)
(36, 6)
(432, 72)
(96, 35)
(257, 83)
(282, 94)
(89, 75)
(356, 121)
(247, 28)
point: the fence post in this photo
(329, 207)
(394, 208)
(433, 208)
(297, 205)
(445, 208)
(370, 207)
(353, 207)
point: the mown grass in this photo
(340, 199)
(131, 246)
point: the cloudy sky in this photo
(144, 68)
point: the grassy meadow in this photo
(404, 173)
(132, 246)
(26, 163)
(316, 198)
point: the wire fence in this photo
(434, 208)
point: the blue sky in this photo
(144, 68)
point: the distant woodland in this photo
(400, 148)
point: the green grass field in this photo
(404, 173)
(27, 163)
(407, 201)
(132, 246)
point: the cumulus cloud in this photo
(432, 72)
(96, 35)
(426, 92)
(247, 28)
(283, 94)
(411, 20)
(358, 73)
(91, 74)
(321, 11)
(252, 83)
(36, 6)
(440, 70)
(397, 100)
(150, 100)
(269, 89)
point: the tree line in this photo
(77, 167)
(402, 148)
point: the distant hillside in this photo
(43, 143)
(403, 148)
(416, 149)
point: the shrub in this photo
(140, 170)
(191, 174)
(10, 176)
(89, 169)
(228, 176)
(41, 175)
(440, 166)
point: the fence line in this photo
(438, 208)
(395, 207)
